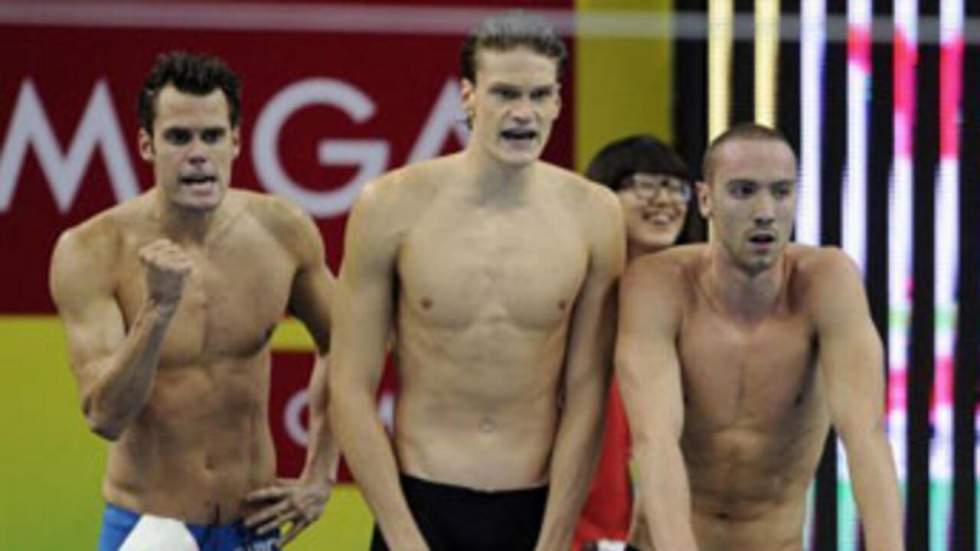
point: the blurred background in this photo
(879, 99)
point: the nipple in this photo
(488, 425)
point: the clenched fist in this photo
(166, 266)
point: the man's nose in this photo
(197, 154)
(523, 111)
(764, 212)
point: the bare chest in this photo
(753, 376)
(524, 268)
(232, 299)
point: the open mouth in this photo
(197, 179)
(519, 135)
(762, 239)
(659, 218)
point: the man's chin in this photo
(518, 157)
(199, 205)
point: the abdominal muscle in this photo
(199, 446)
(748, 489)
(479, 407)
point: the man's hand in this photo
(294, 502)
(166, 266)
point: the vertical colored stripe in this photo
(813, 45)
(854, 195)
(720, 23)
(858, 96)
(766, 60)
(900, 233)
(946, 242)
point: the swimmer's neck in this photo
(490, 180)
(744, 293)
(182, 225)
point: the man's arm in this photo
(114, 367)
(311, 301)
(851, 362)
(363, 322)
(311, 298)
(649, 375)
(586, 378)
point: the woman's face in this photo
(654, 206)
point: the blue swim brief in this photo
(118, 523)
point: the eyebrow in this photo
(194, 128)
(761, 183)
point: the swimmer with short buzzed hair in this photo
(737, 356)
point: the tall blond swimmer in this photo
(169, 301)
(736, 356)
(497, 272)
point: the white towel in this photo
(154, 533)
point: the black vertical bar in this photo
(834, 147)
(743, 71)
(879, 171)
(690, 101)
(788, 92)
(922, 342)
(967, 352)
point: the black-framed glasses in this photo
(647, 186)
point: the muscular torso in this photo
(202, 440)
(755, 418)
(484, 300)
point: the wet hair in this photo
(507, 31)
(740, 131)
(190, 73)
(623, 158)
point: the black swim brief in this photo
(454, 518)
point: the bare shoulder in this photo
(103, 234)
(399, 195)
(272, 211)
(592, 207)
(88, 254)
(582, 194)
(390, 204)
(819, 270)
(672, 272)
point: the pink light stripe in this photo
(950, 96)
(905, 58)
(859, 47)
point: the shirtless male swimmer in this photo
(736, 356)
(497, 273)
(169, 301)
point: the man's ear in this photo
(467, 91)
(144, 142)
(236, 141)
(704, 199)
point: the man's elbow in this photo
(107, 429)
(103, 425)
(859, 432)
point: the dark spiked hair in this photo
(190, 73)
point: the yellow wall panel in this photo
(51, 465)
(623, 74)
